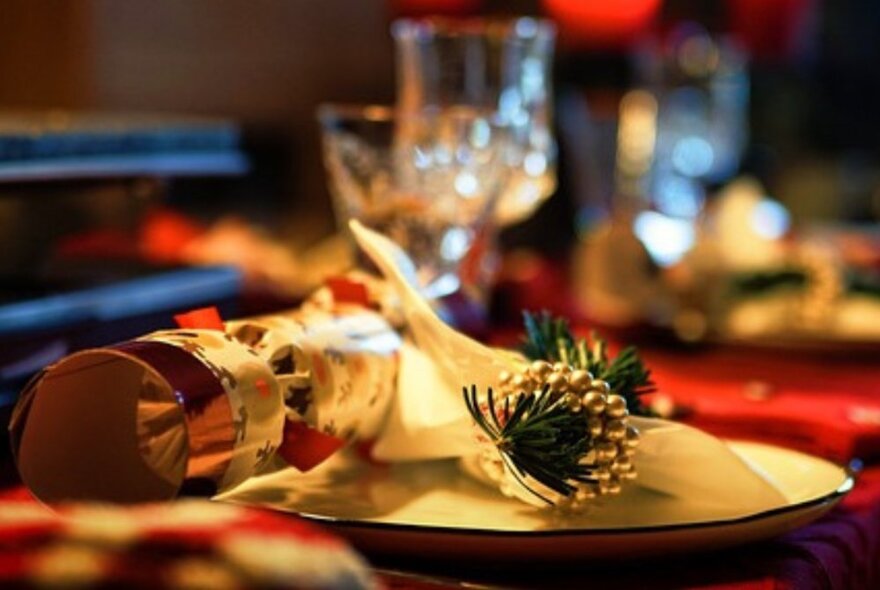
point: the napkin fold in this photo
(681, 461)
(418, 429)
(429, 419)
(458, 359)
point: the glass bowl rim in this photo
(522, 28)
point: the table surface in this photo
(824, 405)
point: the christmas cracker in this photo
(198, 410)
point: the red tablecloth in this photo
(827, 406)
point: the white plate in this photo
(432, 509)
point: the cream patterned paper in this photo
(336, 366)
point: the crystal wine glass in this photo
(426, 181)
(498, 68)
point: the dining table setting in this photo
(686, 395)
(434, 522)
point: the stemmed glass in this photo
(498, 68)
(426, 181)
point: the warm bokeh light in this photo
(600, 23)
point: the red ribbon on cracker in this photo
(204, 318)
(305, 447)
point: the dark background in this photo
(267, 64)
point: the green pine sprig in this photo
(537, 436)
(550, 338)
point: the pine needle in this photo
(549, 338)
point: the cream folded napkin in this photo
(429, 419)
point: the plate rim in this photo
(829, 498)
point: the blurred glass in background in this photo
(501, 68)
(693, 108)
(426, 180)
(806, 132)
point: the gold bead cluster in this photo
(613, 440)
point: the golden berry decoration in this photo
(573, 411)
